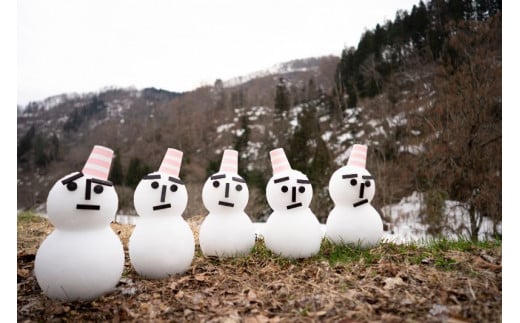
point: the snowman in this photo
(227, 231)
(353, 219)
(162, 243)
(292, 230)
(82, 258)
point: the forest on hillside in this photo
(423, 91)
(452, 48)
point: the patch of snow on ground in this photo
(326, 135)
(412, 149)
(398, 120)
(324, 118)
(342, 158)
(405, 224)
(225, 127)
(252, 149)
(344, 137)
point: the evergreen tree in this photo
(419, 25)
(25, 144)
(41, 157)
(281, 109)
(282, 98)
(54, 147)
(136, 171)
(309, 154)
(242, 139)
(320, 169)
(299, 152)
(116, 173)
(352, 95)
(312, 90)
(212, 168)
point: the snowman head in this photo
(86, 199)
(226, 191)
(352, 185)
(288, 189)
(162, 192)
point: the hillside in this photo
(425, 98)
(137, 123)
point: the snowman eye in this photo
(98, 189)
(367, 183)
(238, 187)
(155, 184)
(173, 188)
(285, 189)
(72, 186)
(353, 182)
(216, 184)
(301, 189)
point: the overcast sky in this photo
(81, 46)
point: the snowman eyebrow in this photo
(102, 182)
(175, 180)
(303, 181)
(367, 177)
(71, 178)
(152, 177)
(349, 176)
(238, 179)
(218, 176)
(283, 179)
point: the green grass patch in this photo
(461, 244)
(434, 252)
(29, 216)
(339, 253)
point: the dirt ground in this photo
(387, 284)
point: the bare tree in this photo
(464, 156)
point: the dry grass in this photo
(390, 283)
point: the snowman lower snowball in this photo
(227, 231)
(353, 220)
(292, 230)
(82, 258)
(162, 243)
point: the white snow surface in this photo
(406, 227)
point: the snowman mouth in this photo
(163, 206)
(87, 207)
(226, 204)
(292, 206)
(360, 203)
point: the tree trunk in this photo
(475, 226)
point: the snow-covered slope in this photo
(405, 224)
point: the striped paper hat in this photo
(279, 161)
(98, 163)
(358, 156)
(229, 161)
(171, 163)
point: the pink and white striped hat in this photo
(98, 163)
(279, 161)
(358, 156)
(171, 163)
(229, 161)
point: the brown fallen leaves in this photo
(264, 288)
